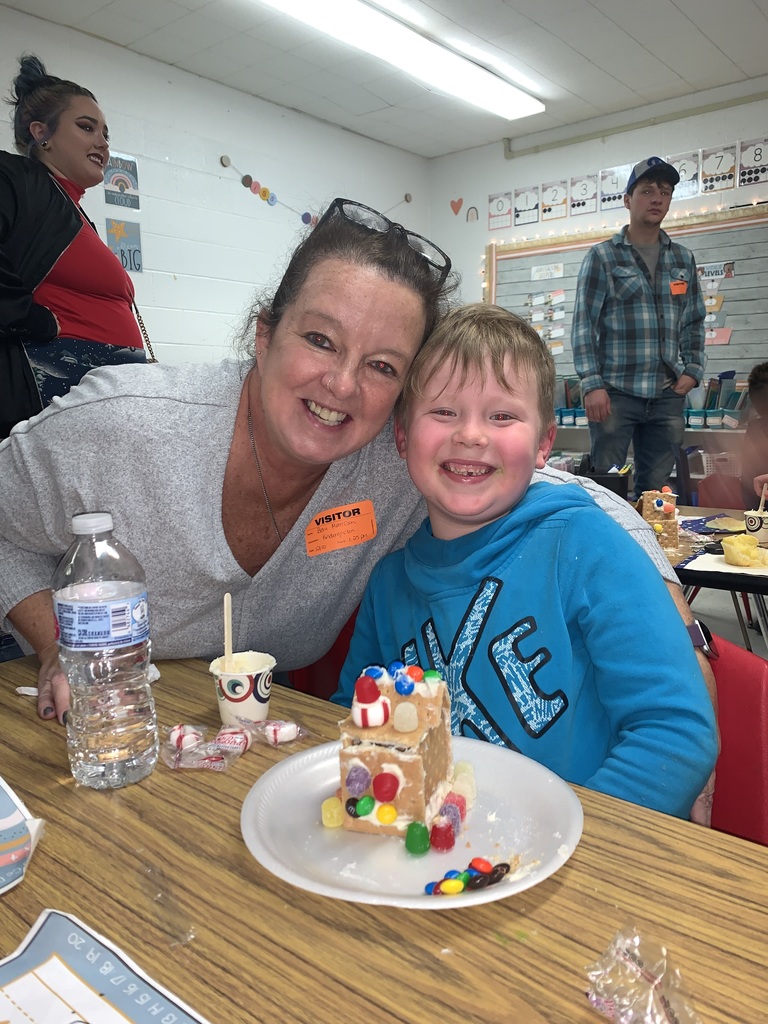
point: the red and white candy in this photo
(232, 738)
(182, 737)
(370, 708)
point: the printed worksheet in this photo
(64, 973)
(19, 833)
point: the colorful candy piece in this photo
(370, 708)
(394, 667)
(332, 812)
(358, 780)
(441, 835)
(498, 872)
(417, 838)
(386, 813)
(460, 801)
(351, 807)
(385, 787)
(404, 685)
(230, 738)
(406, 716)
(477, 882)
(365, 805)
(185, 736)
(451, 886)
(482, 865)
(415, 672)
(451, 812)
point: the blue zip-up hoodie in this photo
(558, 638)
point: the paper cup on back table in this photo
(243, 692)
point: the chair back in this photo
(740, 803)
(720, 491)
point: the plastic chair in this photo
(321, 679)
(740, 804)
(719, 490)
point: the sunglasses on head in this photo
(366, 217)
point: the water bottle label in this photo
(84, 626)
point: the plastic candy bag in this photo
(635, 982)
(186, 746)
(276, 732)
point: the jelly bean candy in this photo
(482, 865)
(441, 835)
(460, 801)
(351, 807)
(498, 872)
(332, 812)
(417, 837)
(477, 882)
(358, 780)
(385, 787)
(386, 814)
(365, 805)
(451, 812)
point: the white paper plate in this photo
(522, 810)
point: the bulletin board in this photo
(536, 279)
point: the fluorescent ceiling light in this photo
(374, 32)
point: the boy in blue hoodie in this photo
(529, 600)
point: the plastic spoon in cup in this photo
(227, 632)
(762, 498)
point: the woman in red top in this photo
(66, 303)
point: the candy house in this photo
(396, 760)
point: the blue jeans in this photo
(655, 428)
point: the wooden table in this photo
(735, 582)
(161, 870)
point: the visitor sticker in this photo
(341, 527)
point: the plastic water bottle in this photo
(102, 626)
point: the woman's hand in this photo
(34, 619)
(52, 685)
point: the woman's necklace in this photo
(267, 502)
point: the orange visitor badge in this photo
(678, 287)
(340, 527)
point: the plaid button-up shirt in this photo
(631, 332)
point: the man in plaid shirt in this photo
(638, 333)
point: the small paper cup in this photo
(756, 523)
(243, 692)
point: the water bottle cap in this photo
(92, 522)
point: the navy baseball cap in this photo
(656, 165)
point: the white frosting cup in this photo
(756, 524)
(243, 688)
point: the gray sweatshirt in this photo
(150, 445)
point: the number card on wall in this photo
(718, 169)
(499, 211)
(527, 205)
(687, 166)
(613, 181)
(554, 200)
(753, 162)
(584, 194)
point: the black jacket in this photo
(37, 224)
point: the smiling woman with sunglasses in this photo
(66, 303)
(274, 477)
